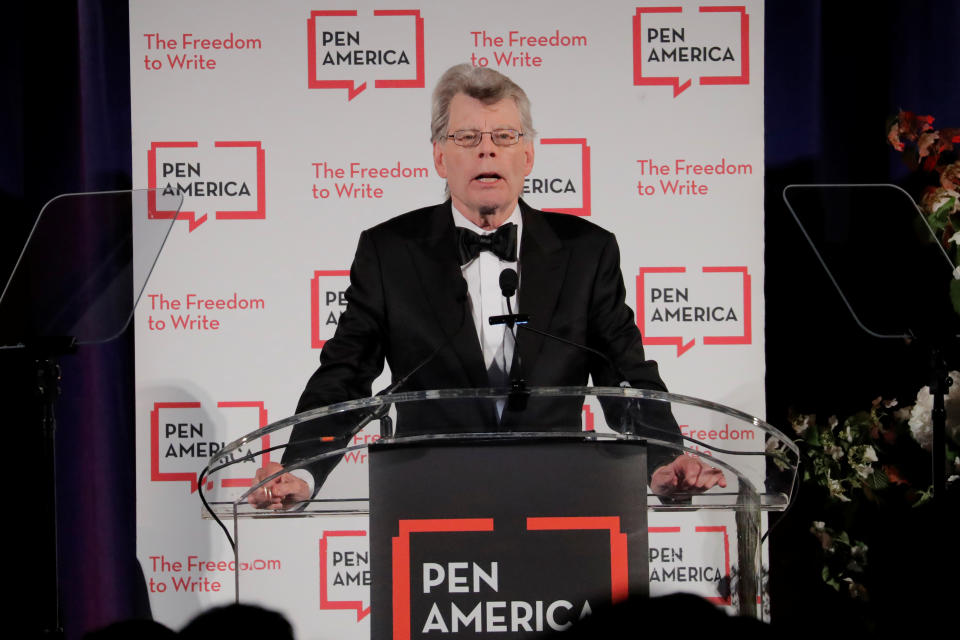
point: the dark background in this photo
(834, 73)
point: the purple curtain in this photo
(68, 113)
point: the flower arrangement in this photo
(932, 152)
(879, 456)
(876, 464)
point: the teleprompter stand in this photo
(64, 295)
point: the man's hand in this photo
(280, 493)
(685, 473)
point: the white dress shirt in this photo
(483, 289)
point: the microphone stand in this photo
(519, 391)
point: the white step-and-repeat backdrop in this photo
(290, 127)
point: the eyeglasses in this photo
(472, 137)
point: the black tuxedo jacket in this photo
(407, 297)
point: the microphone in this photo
(509, 281)
(508, 286)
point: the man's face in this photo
(486, 180)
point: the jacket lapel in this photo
(543, 264)
(435, 259)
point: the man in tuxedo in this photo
(427, 281)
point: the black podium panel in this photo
(515, 539)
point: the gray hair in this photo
(483, 84)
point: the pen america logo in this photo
(345, 572)
(226, 181)
(477, 592)
(328, 299)
(672, 45)
(693, 559)
(677, 308)
(560, 180)
(185, 435)
(346, 50)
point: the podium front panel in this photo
(503, 537)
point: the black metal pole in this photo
(46, 390)
(939, 385)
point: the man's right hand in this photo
(280, 493)
(686, 474)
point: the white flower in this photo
(834, 451)
(863, 470)
(861, 458)
(921, 424)
(833, 422)
(950, 178)
(836, 490)
(858, 557)
(819, 530)
(804, 423)
(934, 199)
(955, 238)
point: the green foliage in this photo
(870, 458)
(940, 219)
(955, 295)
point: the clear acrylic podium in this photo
(600, 426)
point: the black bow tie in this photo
(501, 243)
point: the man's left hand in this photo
(686, 473)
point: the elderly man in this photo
(427, 281)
